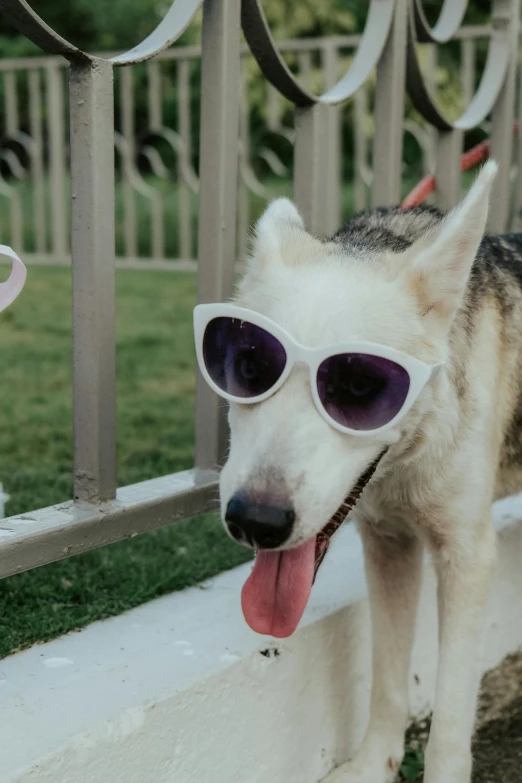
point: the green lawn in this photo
(155, 373)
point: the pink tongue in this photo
(276, 593)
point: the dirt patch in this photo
(497, 744)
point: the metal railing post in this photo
(92, 191)
(505, 12)
(217, 196)
(389, 112)
(57, 152)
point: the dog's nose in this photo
(260, 525)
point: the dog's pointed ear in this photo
(280, 213)
(279, 219)
(441, 262)
(280, 236)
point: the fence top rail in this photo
(193, 51)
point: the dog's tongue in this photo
(276, 593)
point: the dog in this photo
(306, 356)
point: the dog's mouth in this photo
(275, 595)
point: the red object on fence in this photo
(428, 184)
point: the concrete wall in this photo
(181, 690)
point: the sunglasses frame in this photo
(419, 373)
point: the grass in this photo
(155, 375)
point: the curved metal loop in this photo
(21, 15)
(450, 19)
(499, 54)
(16, 166)
(158, 168)
(264, 49)
(423, 139)
(15, 282)
(180, 14)
(130, 171)
(177, 145)
(248, 176)
(172, 26)
(274, 163)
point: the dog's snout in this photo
(261, 525)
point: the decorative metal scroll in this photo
(264, 49)
(499, 57)
(24, 159)
(172, 26)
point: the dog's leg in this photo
(464, 566)
(393, 568)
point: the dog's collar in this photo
(325, 535)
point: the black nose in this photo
(262, 525)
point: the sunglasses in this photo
(359, 388)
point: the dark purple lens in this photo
(242, 359)
(361, 391)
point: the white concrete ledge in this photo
(181, 690)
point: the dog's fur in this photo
(436, 288)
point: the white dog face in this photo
(283, 454)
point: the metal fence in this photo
(101, 514)
(156, 145)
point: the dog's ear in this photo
(441, 263)
(280, 236)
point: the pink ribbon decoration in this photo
(12, 287)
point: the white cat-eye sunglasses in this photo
(360, 388)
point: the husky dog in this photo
(384, 362)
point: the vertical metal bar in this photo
(243, 206)
(505, 12)
(449, 148)
(91, 93)
(273, 108)
(154, 95)
(155, 124)
(217, 199)
(360, 115)
(185, 196)
(308, 165)
(430, 51)
(16, 220)
(157, 218)
(389, 112)
(16, 217)
(56, 132)
(130, 219)
(37, 163)
(332, 142)
(304, 63)
(12, 119)
(468, 69)
(127, 108)
(517, 215)
(430, 151)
